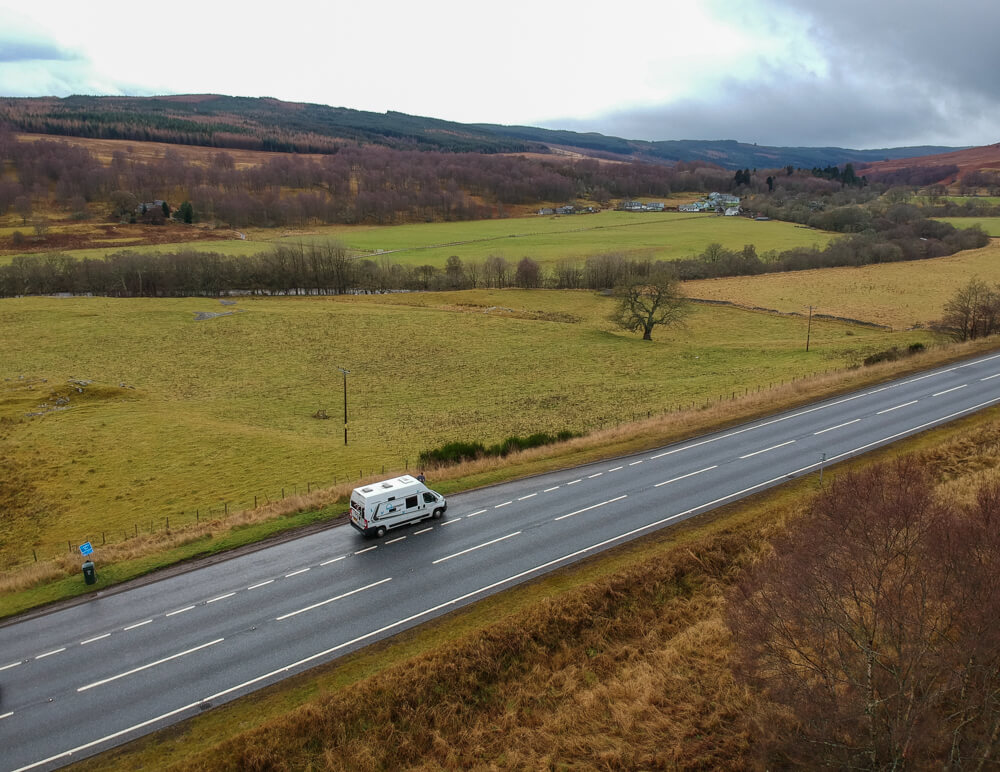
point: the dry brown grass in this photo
(899, 295)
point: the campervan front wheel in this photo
(380, 532)
(436, 514)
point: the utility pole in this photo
(345, 372)
(809, 327)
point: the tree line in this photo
(357, 184)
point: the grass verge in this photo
(621, 661)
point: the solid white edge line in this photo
(948, 391)
(221, 597)
(838, 426)
(472, 549)
(151, 664)
(592, 506)
(296, 573)
(453, 601)
(15, 664)
(263, 584)
(91, 640)
(137, 624)
(685, 476)
(897, 407)
(50, 653)
(342, 557)
(331, 600)
(765, 450)
(179, 611)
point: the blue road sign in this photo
(86, 548)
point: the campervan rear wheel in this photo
(437, 514)
(380, 532)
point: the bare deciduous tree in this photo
(645, 304)
(874, 624)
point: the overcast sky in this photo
(851, 73)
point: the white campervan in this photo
(383, 505)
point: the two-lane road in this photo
(80, 680)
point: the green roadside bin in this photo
(89, 572)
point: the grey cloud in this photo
(897, 72)
(33, 50)
(805, 112)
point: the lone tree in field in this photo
(647, 303)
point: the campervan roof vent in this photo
(367, 490)
(386, 485)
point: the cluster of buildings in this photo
(567, 209)
(723, 203)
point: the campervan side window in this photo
(429, 498)
(411, 501)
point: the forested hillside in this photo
(271, 124)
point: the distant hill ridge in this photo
(265, 123)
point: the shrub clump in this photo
(456, 452)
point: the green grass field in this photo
(658, 236)
(184, 414)
(989, 224)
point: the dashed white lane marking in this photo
(137, 624)
(497, 506)
(450, 521)
(7, 714)
(529, 496)
(366, 549)
(425, 530)
(988, 377)
(948, 391)
(50, 653)
(592, 476)
(685, 476)
(334, 560)
(573, 482)
(15, 664)
(549, 490)
(186, 608)
(92, 640)
(765, 450)
(615, 469)
(897, 407)
(221, 597)
(151, 664)
(393, 541)
(296, 573)
(270, 581)
(592, 506)
(456, 600)
(838, 426)
(477, 547)
(332, 600)
(636, 462)
(471, 514)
